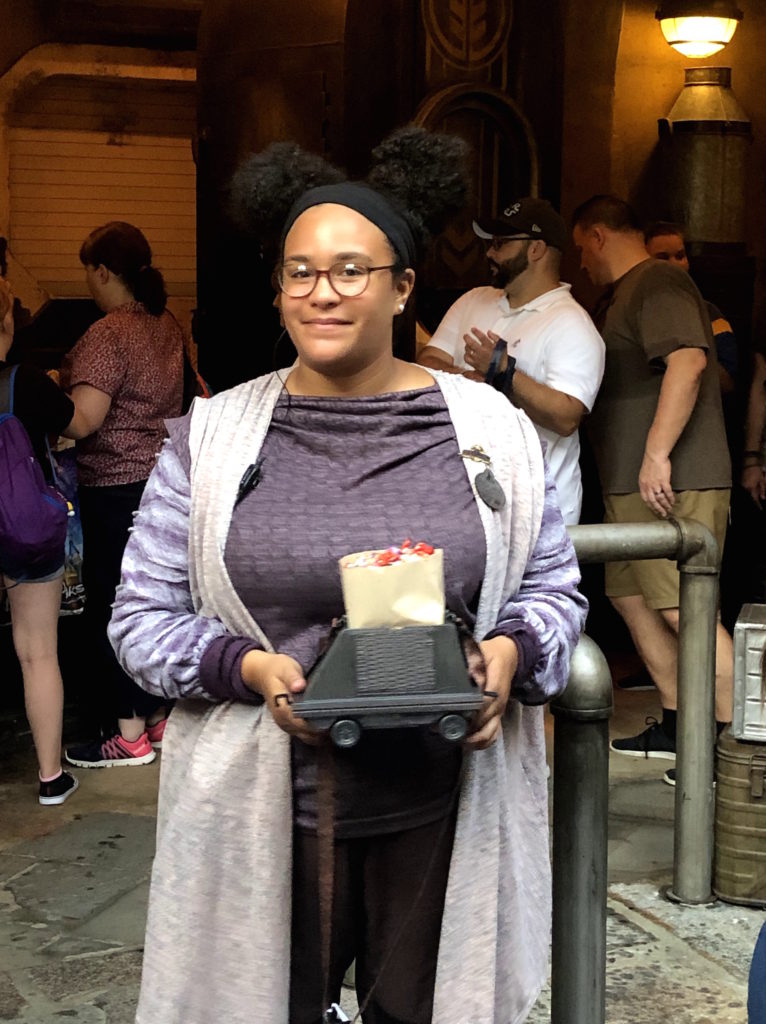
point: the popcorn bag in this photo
(401, 586)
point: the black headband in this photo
(365, 200)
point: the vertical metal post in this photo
(580, 834)
(695, 732)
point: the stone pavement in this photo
(74, 885)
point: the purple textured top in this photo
(342, 475)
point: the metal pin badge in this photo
(487, 485)
(489, 490)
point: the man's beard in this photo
(503, 273)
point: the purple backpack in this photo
(33, 515)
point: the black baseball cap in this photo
(535, 218)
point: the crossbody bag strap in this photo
(326, 861)
(7, 382)
(54, 474)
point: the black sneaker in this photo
(652, 742)
(670, 777)
(59, 790)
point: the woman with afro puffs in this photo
(438, 867)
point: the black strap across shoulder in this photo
(6, 389)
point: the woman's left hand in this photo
(501, 656)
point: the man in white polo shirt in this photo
(540, 345)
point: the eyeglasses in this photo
(298, 280)
(498, 241)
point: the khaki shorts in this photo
(657, 579)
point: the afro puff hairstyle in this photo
(423, 174)
(266, 185)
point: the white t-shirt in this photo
(555, 342)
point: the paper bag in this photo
(405, 593)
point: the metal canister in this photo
(706, 140)
(740, 822)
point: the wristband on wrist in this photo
(501, 380)
(504, 381)
(751, 455)
(494, 363)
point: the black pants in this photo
(377, 881)
(107, 515)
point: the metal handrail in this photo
(695, 549)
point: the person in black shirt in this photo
(43, 409)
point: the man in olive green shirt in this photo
(658, 435)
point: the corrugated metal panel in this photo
(65, 183)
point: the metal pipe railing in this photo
(580, 836)
(696, 551)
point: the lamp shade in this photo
(698, 28)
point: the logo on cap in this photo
(511, 211)
(536, 227)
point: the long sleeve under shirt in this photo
(342, 475)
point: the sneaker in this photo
(156, 732)
(652, 742)
(636, 681)
(59, 790)
(670, 777)
(111, 753)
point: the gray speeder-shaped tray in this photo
(390, 679)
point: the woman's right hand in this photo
(276, 677)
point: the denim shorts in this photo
(40, 574)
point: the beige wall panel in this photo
(64, 274)
(99, 186)
(31, 161)
(64, 102)
(78, 142)
(38, 239)
(85, 210)
(63, 184)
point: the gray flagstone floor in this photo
(74, 887)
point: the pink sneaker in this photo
(111, 753)
(156, 732)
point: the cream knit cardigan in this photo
(218, 930)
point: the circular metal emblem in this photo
(468, 33)
(345, 733)
(453, 727)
